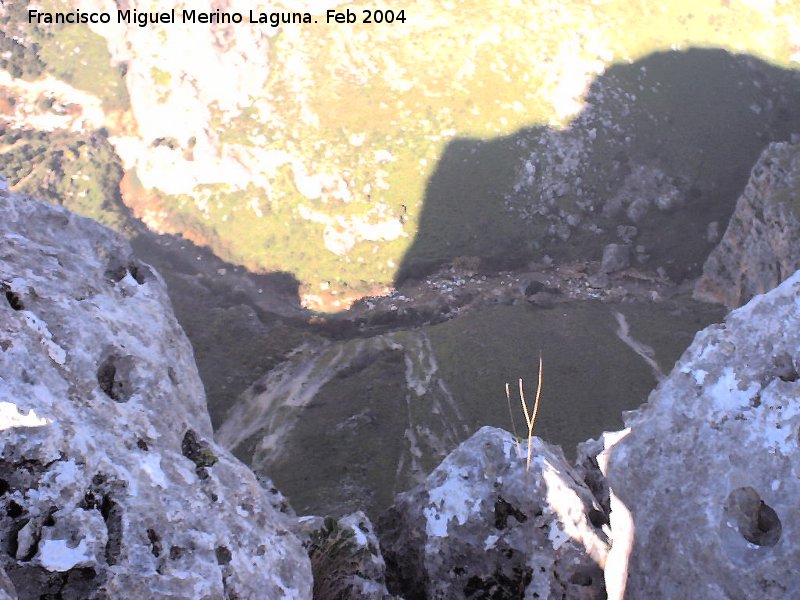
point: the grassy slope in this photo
(479, 71)
(590, 377)
(72, 53)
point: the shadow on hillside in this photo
(685, 127)
(664, 146)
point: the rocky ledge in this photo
(111, 485)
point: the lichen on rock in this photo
(106, 431)
(705, 477)
(481, 525)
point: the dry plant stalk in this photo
(530, 418)
(511, 415)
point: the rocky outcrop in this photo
(481, 525)
(110, 482)
(704, 480)
(761, 246)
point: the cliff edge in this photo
(110, 482)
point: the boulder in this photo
(705, 478)
(111, 485)
(761, 246)
(482, 525)
(369, 580)
(644, 187)
(616, 257)
(598, 281)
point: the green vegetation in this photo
(476, 353)
(18, 59)
(72, 53)
(79, 171)
(335, 557)
(80, 57)
(382, 120)
(378, 111)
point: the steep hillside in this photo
(336, 152)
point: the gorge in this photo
(333, 247)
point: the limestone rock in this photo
(598, 281)
(706, 474)
(616, 257)
(110, 482)
(7, 591)
(644, 187)
(369, 582)
(761, 246)
(481, 526)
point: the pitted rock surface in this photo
(761, 246)
(482, 526)
(111, 485)
(709, 468)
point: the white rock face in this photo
(710, 467)
(182, 77)
(481, 526)
(110, 482)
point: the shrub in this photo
(335, 557)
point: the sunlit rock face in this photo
(110, 482)
(481, 525)
(761, 246)
(709, 466)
